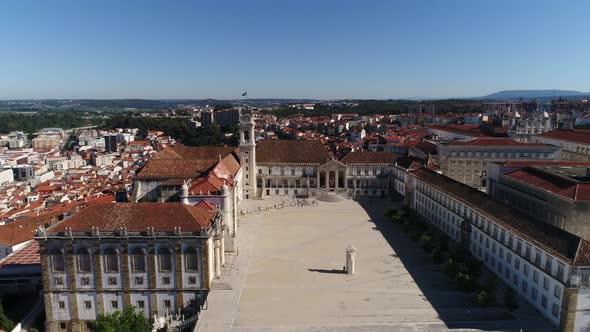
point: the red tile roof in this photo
(206, 185)
(564, 187)
(556, 241)
(368, 158)
(206, 205)
(291, 152)
(569, 136)
(137, 217)
(27, 255)
(495, 141)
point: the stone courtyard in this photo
(289, 276)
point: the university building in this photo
(159, 257)
(556, 192)
(545, 265)
(575, 144)
(467, 161)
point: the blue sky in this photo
(288, 48)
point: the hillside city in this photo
(201, 217)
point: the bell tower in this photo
(248, 154)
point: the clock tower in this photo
(248, 154)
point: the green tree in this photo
(127, 320)
(5, 323)
(510, 299)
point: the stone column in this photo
(152, 260)
(327, 179)
(263, 186)
(125, 273)
(337, 182)
(217, 259)
(222, 249)
(98, 277)
(178, 272)
(318, 178)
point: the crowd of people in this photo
(298, 203)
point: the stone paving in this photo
(288, 277)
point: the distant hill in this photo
(533, 94)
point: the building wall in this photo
(540, 281)
(107, 292)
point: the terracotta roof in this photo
(188, 162)
(496, 141)
(169, 168)
(206, 205)
(570, 136)
(19, 231)
(367, 158)
(562, 186)
(137, 217)
(206, 185)
(426, 147)
(195, 152)
(525, 163)
(457, 129)
(556, 241)
(291, 152)
(27, 255)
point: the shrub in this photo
(458, 255)
(452, 269)
(491, 284)
(484, 298)
(473, 267)
(426, 242)
(437, 257)
(510, 299)
(465, 282)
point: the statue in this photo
(350, 258)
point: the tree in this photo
(5, 323)
(510, 299)
(127, 320)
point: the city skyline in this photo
(327, 50)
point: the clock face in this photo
(246, 118)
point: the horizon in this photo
(338, 50)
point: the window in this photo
(62, 325)
(87, 305)
(112, 280)
(548, 264)
(58, 281)
(138, 260)
(527, 253)
(515, 279)
(139, 280)
(555, 310)
(167, 304)
(545, 283)
(83, 258)
(191, 260)
(58, 261)
(140, 304)
(111, 260)
(61, 305)
(165, 259)
(114, 304)
(517, 263)
(192, 280)
(560, 270)
(85, 281)
(519, 246)
(526, 270)
(524, 286)
(534, 294)
(544, 301)
(508, 257)
(165, 281)
(535, 276)
(538, 258)
(557, 291)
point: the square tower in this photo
(248, 154)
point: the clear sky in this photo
(290, 48)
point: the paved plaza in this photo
(289, 276)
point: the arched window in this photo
(111, 260)
(138, 260)
(58, 260)
(84, 260)
(191, 260)
(165, 260)
(246, 135)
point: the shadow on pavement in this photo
(332, 271)
(453, 307)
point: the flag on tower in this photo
(245, 93)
